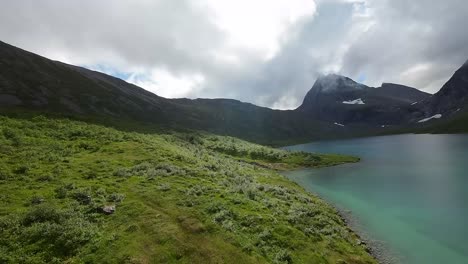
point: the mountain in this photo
(454, 94)
(335, 106)
(336, 98)
(78, 192)
(448, 107)
(29, 82)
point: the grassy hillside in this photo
(179, 198)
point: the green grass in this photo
(179, 197)
(269, 157)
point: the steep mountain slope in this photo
(449, 105)
(453, 96)
(335, 98)
(33, 83)
(30, 81)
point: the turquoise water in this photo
(410, 191)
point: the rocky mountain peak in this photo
(333, 82)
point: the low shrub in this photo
(61, 231)
(116, 197)
(83, 196)
(164, 187)
(23, 169)
(37, 200)
(282, 257)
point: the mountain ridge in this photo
(34, 83)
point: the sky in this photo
(266, 52)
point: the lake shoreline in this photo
(376, 248)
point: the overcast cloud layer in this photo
(260, 51)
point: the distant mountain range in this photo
(335, 107)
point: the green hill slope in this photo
(179, 198)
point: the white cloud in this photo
(163, 83)
(286, 102)
(257, 24)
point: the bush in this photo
(171, 169)
(4, 174)
(244, 185)
(23, 169)
(45, 178)
(164, 187)
(228, 225)
(282, 256)
(223, 215)
(265, 235)
(116, 197)
(312, 233)
(151, 171)
(90, 175)
(62, 191)
(121, 172)
(141, 168)
(61, 231)
(37, 200)
(197, 190)
(88, 146)
(82, 196)
(40, 214)
(214, 208)
(299, 214)
(12, 135)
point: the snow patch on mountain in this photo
(430, 118)
(338, 124)
(353, 102)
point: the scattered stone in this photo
(108, 209)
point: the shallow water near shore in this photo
(409, 191)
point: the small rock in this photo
(108, 209)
